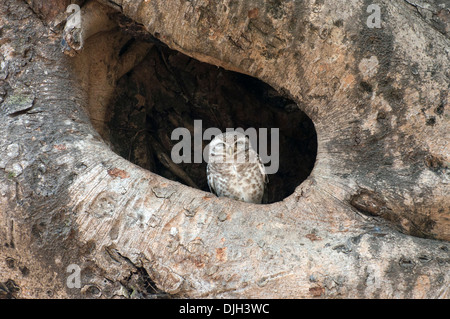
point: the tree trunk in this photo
(372, 219)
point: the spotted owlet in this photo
(234, 168)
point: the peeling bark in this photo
(371, 221)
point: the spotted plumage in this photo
(234, 168)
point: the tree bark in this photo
(371, 221)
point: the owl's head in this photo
(231, 147)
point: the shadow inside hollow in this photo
(169, 90)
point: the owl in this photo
(234, 168)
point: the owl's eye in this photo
(241, 145)
(219, 147)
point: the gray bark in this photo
(371, 221)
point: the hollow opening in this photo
(169, 90)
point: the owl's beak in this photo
(230, 150)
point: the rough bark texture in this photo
(372, 219)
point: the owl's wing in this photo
(262, 168)
(210, 180)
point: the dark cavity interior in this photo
(169, 90)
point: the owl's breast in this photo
(240, 181)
